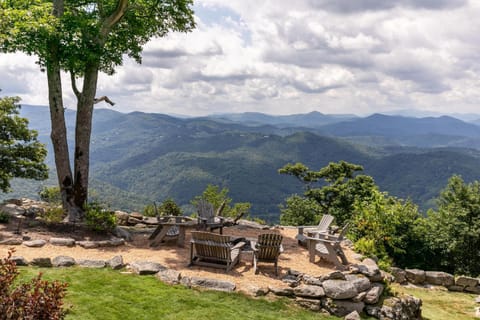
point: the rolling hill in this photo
(138, 158)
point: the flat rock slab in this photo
(281, 291)
(439, 278)
(63, 261)
(415, 276)
(169, 276)
(212, 284)
(35, 243)
(12, 241)
(88, 244)
(67, 242)
(41, 262)
(146, 267)
(466, 281)
(92, 263)
(477, 299)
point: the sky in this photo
(287, 57)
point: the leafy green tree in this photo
(220, 199)
(386, 227)
(339, 190)
(21, 154)
(453, 232)
(300, 211)
(84, 38)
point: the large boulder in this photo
(41, 262)
(439, 278)
(169, 276)
(116, 263)
(341, 308)
(397, 308)
(340, 289)
(466, 281)
(120, 232)
(121, 218)
(63, 261)
(415, 276)
(399, 275)
(353, 316)
(12, 209)
(360, 282)
(19, 260)
(374, 294)
(309, 291)
(12, 241)
(370, 269)
(146, 267)
(310, 304)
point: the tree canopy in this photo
(21, 154)
(336, 196)
(84, 38)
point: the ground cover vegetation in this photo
(107, 294)
(32, 298)
(391, 229)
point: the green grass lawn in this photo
(441, 304)
(106, 294)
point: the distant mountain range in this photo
(138, 158)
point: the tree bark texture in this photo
(83, 130)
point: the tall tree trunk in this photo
(83, 131)
(59, 133)
(59, 130)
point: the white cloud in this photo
(281, 56)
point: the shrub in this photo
(51, 195)
(4, 217)
(300, 211)
(169, 208)
(54, 214)
(38, 299)
(98, 218)
(149, 210)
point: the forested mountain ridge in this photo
(138, 158)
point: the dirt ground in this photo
(170, 255)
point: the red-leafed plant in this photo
(35, 300)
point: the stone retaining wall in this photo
(437, 278)
(337, 293)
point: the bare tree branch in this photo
(104, 98)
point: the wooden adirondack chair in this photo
(322, 227)
(208, 220)
(267, 249)
(328, 247)
(214, 250)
